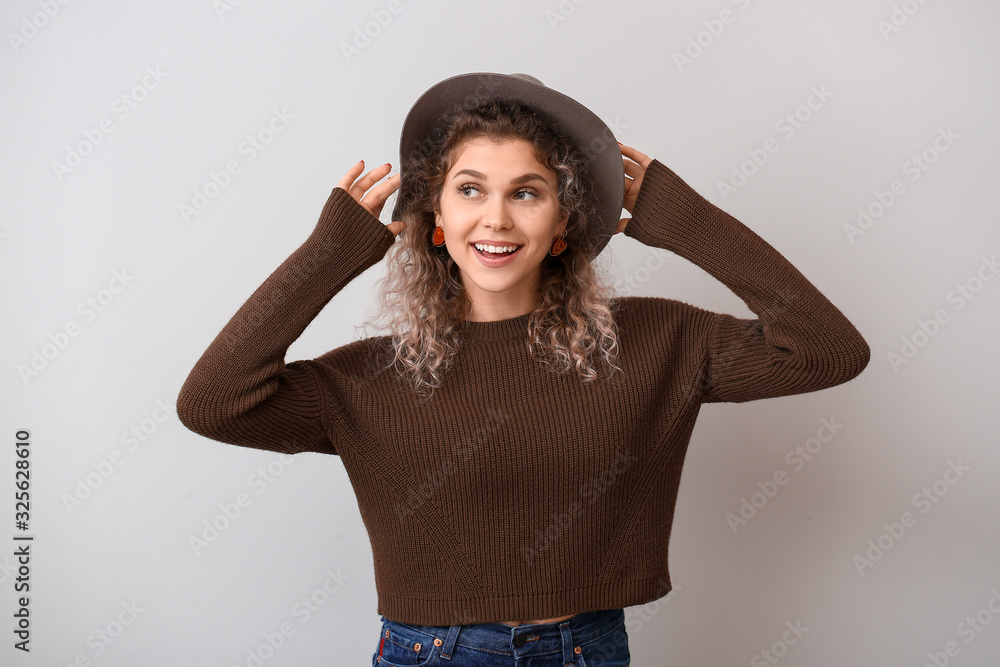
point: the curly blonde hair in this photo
(423, 298)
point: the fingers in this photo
(351, 175)
(372, 198)
(396, 227)
(634, 164)
(634, 170)
(631, 195)
(375, 199)
(358, 186)
(362, 185)
(633, 180)
(638, 156)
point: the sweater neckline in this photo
(508, 329)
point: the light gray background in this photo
(222, 75)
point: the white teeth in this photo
(496, 249)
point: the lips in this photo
(487, 255)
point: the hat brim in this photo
(594, 139)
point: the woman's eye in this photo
(520, 195)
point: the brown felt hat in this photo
(594, 139)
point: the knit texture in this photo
(516, 492)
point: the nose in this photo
(497, 214)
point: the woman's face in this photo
(497, 197)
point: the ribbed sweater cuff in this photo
(358, 236)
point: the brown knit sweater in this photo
(516, 492)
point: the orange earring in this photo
(558, 245)
(438, 237)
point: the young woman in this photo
(516, 441)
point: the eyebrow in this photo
(517, 181)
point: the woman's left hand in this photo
(635, 163)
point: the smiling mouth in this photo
(495, 251)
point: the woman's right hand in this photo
(375, 199)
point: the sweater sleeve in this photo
(241, 391)
(800, 341)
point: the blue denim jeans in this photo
(591, 639)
